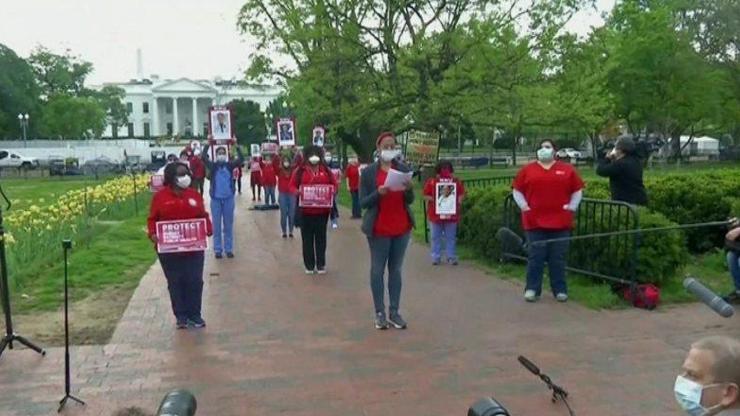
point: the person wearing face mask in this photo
(255, 178)
(710, 380)
(313, 220)
(222, 192)
(352, 173)
(184, 271)
(269, 180)
(387, 224)
(287, 197)
(443, 225)
(624, 170)
(547, 192)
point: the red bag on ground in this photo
(645, 296)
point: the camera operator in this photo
(624, 169)
(710, 380)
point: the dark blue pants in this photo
(553, 253)
(184, 273)
(356, 212)
(387, 251)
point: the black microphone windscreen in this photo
(529, 365)
(178, 403)
(708, 297)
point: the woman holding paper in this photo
(316, 188)
(548, 192)
(387, 223)
(443, 194)
(184, 271)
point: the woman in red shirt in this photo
(387, 223)
(184, 271)
(353, 183)
(286, 199)
(444, 194)
(269, 180)
(255, 178)
(548, 192)
(313, 177)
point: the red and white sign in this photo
(317, 196)
(156, 182)
(182, 236)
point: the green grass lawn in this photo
(709, 268)
(41, 191)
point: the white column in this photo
(196, 127)
(175, 121)
(155, 118)
(213, 101)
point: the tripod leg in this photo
(30, 344)
(77, 400)
(3, 344)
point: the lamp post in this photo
(23, 119)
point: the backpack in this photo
(644, 296)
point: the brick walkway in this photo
(279, 342)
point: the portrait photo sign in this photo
(220, 123)
(286, 132)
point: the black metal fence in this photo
(611, 258)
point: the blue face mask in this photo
(545, 154)
(688, 395)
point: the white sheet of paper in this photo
(397, 180)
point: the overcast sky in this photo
(177, 37)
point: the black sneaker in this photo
(197, 322)
(219, 256)
(397, 321)
(230, 255)
(290, 235)
(285, 235)
(181, 324)
(380, 321)
(733, 297)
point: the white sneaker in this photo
(334, 225)
(309, 271)
(321, 271)
(530, 296)
(561, 297)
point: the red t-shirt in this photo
(430, 188)
(546, 191)
(268, 175)
(393, 219)
(197, 167)
(167, 206)
(353, 177)
(283, 178)
(322, 176)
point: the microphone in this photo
(708, 297)
(178, 403)
(529, 365)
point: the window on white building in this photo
(130, 129)
(169, 129)
(130, 107)
(205, 129)
(146, 130)
(145, 108)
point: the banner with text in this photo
(182, 236)
(422, 148)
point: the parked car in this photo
(99, 165)
(569, 153)
(72, 166)
(9, 159)
(56, 166)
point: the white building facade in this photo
(180, 107)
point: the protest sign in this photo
(181, 236)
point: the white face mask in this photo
(183, 181)
(688, 395)
(221, 158)
(314, 160)
(388, 154)
(545, 154)
(286, 164)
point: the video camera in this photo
(178, 403)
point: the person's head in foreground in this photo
(444, 169)
(314, 155)
(546, 151)
(386, 145)
(221, 155)
(177, 176)
(624, 146)
(710, 381)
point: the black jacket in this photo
(370, 198)
(625, 179)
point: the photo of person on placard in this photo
(286, 133)
(221, 125)
(446, 199)
(318, 137)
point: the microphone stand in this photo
(558, 393)
(66, 246)
(10, 336)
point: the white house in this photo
(178, 106)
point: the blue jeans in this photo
(387, 251)
(222, 213)
(553, 253)
(356, 212)
(184, 273)
(270, 195)
(733, 263)
(448, 230)
(287, 212)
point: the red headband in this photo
(382, 136)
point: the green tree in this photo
(249, 122)
(18, 94)
(59, 74)
(111, 99)
(68, 117)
